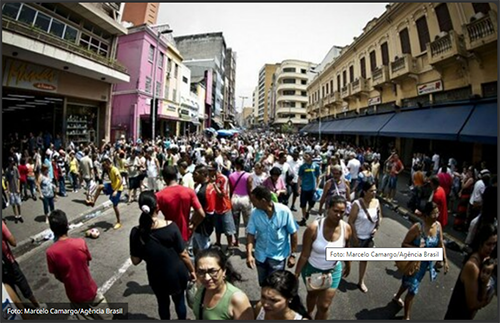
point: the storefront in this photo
(38, 99)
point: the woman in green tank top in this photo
(218, 298)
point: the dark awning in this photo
(314, 128)
(437, 123)
(482, 125)
(368, 125)
(306, 127)
(338, 126)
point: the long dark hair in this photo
(486, 231)
(285, 283)
(232, 275)
(147, 200)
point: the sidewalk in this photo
(34, 219)
(402, 198)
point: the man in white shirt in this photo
(353, 166)
(435, 161)
(476, 198)
(295, 164)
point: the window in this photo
(373, 61)
(148, 84)
(481, 7)
(174, 95)
(289, 81)
(169, 65)
(289, 70)
(11, 10)
(158, 89)
(303, 93)
(27, 15)
(185, 79)
(42, 21)
(331, 85)
(176, 70)
(344, 78)
(90, 42)
(71, 33)
(288, 92)
(384, 48)
(405, 41)
(57, 29)
(303, 71)
(443, 16)
(423, 33)
(322, 91)
(351, 74)
(303, 105)
(151, 53)
(362, 66)
(165, 92)
(303, 82)
(327, 88)
(338, 83)
(160, 60)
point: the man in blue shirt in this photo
(308, 183)
(273, 231)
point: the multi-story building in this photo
(290, 94)
(230, 94)
(417, 78)
(246, 117)
(140, 13)
(265, 83)
(204, 52)
(143, 52)
(59, 65)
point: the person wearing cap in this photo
(113, 189)
(308, 183)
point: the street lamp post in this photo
(159, 32)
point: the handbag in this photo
(408, 268)
(318, 281)
(191, 291)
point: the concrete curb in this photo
(36, 240)
(413, 218)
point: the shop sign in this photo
(184, 114)
(30, 76)
(430, 87)
(374, 101)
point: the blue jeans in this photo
(48, 202)
(62, 186)
(264, 269)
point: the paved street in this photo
(122, 282)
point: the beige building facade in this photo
(265, 83)
(414, 56)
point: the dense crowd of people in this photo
(188, 188)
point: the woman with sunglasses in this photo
(218, 298)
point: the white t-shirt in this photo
(284, 168)
(435, 160)
(353, 166)
(294, 166)
(477, 193)
(258, 180)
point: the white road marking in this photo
(110, 282)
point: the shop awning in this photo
(368, 125)
(482, 125)
(338, 126)
(314, 128)
(306, 128)
(437, 123)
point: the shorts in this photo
(152, 184)
(15, 278)
(307, 197)
(294, 187)
(336, 272)
(366, 243)
(200, 242)
(134, 183)
(109, 191)
(241, 204)
(266, 268)
(15, 199)
(224, 223)
(393, 182)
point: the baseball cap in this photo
(484, 172)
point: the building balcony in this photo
(47, 49)
(403, 67)
(294, 75)
(291, 98)
(345, 92)
(295, 121)
(380, 76)
(290, 110)
(481, 31)
(291, 86)
(446, 48)
(105, 15)
(359, 87)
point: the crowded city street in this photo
(249, 161)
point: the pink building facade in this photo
(142, 52)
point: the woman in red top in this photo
(23, 178)
(445, 180)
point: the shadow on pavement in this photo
(344, 286)
(79, 201)
(40, 218)
(10, 218)
(387, 312)
(105, 226)
(393, 272)
(135, 288)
